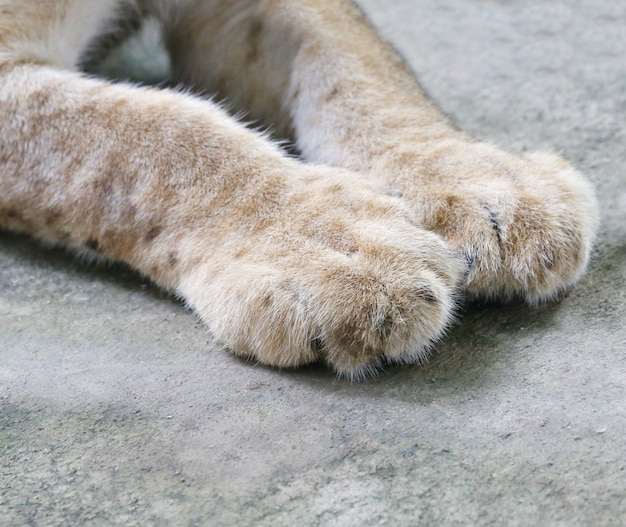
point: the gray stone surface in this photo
(117, 409)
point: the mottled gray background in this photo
(117, 409)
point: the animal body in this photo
(353, 254)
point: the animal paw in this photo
(524, 225)
(332, 270)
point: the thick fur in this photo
(354, 257)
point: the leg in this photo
(316, 70)
(286, 263)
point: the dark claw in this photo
(495, 223)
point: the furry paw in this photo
(523, 224)
(331, 271)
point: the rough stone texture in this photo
(117, 409)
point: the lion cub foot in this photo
(523, 224)
(334, 272)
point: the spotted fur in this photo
(355, 256)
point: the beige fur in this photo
(286, 262)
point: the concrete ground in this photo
(117, 409)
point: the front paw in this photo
(336, 272)
(524, 225)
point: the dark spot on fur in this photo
(40, 98)
(446, 218)
(470, 261)
(153, 233)
(240, 253)
(453, 201)
(104, 186)
(173, 260)
(267, 300)
(52, 217)
(332, 94)
(92, 244)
